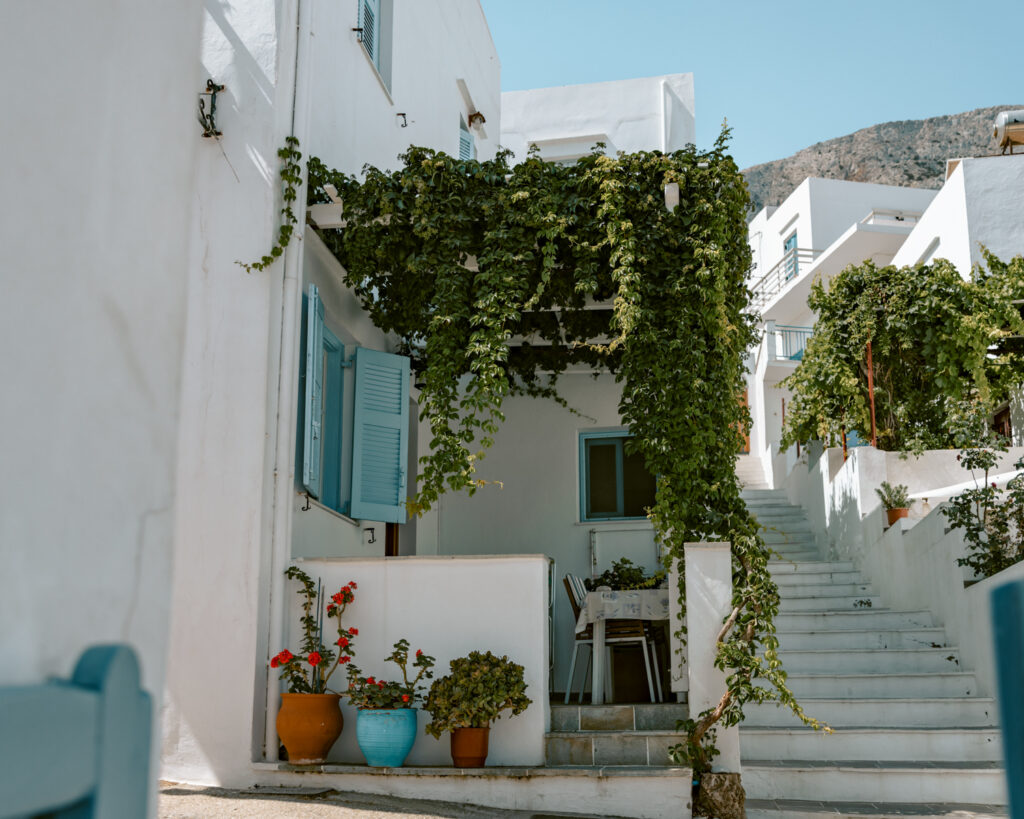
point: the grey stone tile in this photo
(620, 749)
(565, 718)
(659, 717)
(606, 718)
(657, 748)
(570, 751)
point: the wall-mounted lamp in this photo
(208, 119)
(476, 119)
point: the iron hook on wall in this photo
(208, 119)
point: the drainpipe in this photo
(664, 116)
(287, 379)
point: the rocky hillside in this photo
(909, 152)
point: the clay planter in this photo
(895, 514)
(469, 747)
(309, 724)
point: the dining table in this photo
(605, 604)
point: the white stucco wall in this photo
(447, 607)
(645, 114)
(100, 136)
(537, 509)
(238, 511)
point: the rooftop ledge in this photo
(505, 772)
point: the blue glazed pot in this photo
(386, 735)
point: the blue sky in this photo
(786, 74)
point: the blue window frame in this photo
(790, 256)
(614, 483)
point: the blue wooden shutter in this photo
(313, 426)
(380, 436)
(467, 147)
(369, 22)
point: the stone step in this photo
(816, 578)
(871, 661)
(643, 792)
(851, 781)
(859, 620)
(852, 602)
(816, 809)
(883, 686)
(863, 639)
(648, 748)
(755, 496)
(640, 717)
(795, 555)
(822, 590)
(918, 744)
(781, 567)
(962, 712)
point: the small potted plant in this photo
(464, 702)
(895, 500)
(310, 721)
(386, 722)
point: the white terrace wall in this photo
(289, 68)
(447, 606)
(537, 508)
(99, 133)
(565, 122)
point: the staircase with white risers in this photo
(750, 471)
(910, 735)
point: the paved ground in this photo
(189, 802)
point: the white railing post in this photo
(708, 604)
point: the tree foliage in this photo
(498, 277)
(938, 343)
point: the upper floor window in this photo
(375, 34)
(467, 145)
(614, 483)
(789, 252)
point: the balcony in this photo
(787, 269)
(786, 343)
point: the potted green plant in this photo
(895, 500)
(386, 722)
(464, 702)
(309, 720)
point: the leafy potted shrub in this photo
(310, 721)
(625, 576)
(895, 499)
(386, 722)
(464, 702)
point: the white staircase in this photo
(750, 471)
(907, 724)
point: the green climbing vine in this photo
(291, 180)
(497, 277)
(939, 343)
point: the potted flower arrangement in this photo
(386, 722)
(479, 687)
(310, 720)
(895, 500)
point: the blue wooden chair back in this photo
(77, 748)
(1008, 630)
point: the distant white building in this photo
(825, 225)
(565, 122)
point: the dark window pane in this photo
(638, 486)
(602, 496)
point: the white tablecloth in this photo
(642, 604)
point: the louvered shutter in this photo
(312, 441)
(467, 148)
(380, 436)
(369, 22)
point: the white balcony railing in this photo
(786, 343)
(788, 268)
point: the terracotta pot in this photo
(469, 747)
(309, 724)
(895, 514)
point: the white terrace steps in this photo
(815, 809)
(908, 726)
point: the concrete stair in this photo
(910, 735)
(750, 472)
(613, 734)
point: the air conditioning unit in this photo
(1009, 129)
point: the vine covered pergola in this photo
(497, 277)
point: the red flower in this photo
(352, 583)
(343, 641)
(405, 697)
(993, 485)
(331, 609)
(274, 663)
(371, 681)
(314, 658)
(344, 659)
(380, 684)
(338, 598)
(353, 631)
(419, 652)
(285, 656)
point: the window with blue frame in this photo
(374, 27)
(375, 464)
(790, 256)
(467, 144)
(614, 483)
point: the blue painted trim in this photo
(312, 442)
(1008, 633)
(333, 402)
(619, 436)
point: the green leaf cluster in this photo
(479, 687)
(937, 341)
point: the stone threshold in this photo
(502, 771)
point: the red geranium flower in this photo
(353, 631)
(353, 584)
(405, 697)
(314, 658)
(274, 663)
(285, 656)
(343, 641)
(371, 681)
(344, 659)
(331, 609)
(380, 684)
(419, 652)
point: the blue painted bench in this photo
(77, 748)
(1008, 630)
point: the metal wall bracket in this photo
(208, 119)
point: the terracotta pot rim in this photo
(309, 694)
